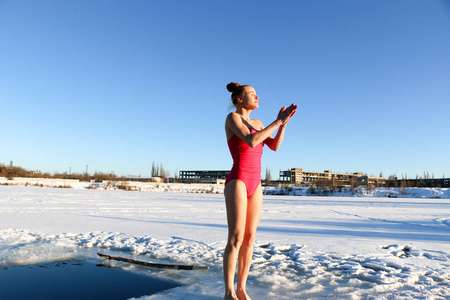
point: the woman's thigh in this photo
(254, 208)
(236, 204)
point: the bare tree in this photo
(154, 170)
(162, 172)
(176, 175)
(268, 175)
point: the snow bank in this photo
(307, 247)
(279, 271)
(116, 185)
(438, 193)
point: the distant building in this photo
(148, 179)
(210, 176)
(299, 177)
(139, 179)
(293, 176)
(419, 182)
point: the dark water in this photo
(76, 280)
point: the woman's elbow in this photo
(253, 144)
(276, 146)
(273, 147)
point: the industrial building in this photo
(419, 182)
(203, 176)
(298, 176)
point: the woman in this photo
(243, 192)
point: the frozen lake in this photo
(307, 247)
(74, 280)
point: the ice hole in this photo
(77, 279)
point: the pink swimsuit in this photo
(246, 163)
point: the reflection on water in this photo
(76, 280)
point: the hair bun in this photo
(232, 86)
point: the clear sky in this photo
(117, 85)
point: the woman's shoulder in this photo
(233, 117)
(232, 114)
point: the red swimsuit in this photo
(246, 163)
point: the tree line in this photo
(11, 172)
(158, 170)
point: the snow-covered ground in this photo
(307, 247)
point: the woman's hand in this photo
(286, 114)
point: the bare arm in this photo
(275, 143)
(235, 125)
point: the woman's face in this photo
(249, 98)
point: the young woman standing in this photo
(243, 193)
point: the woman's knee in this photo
(248, 239)
(235, 240)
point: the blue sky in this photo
(116, 85)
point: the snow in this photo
(308, 247)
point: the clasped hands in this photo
(286, 114)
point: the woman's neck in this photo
(244, 113)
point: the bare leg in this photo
(236, 203)
(254, 206)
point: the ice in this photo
(307, 247)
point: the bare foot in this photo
(230, 297)
(242, 295)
